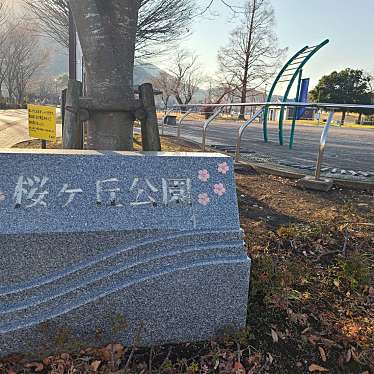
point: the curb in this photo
(281, 172)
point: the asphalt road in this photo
(347, 149)
(14, 127)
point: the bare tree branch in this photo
(252, 56)
(161, 22)
(22, 57)
(164, 82)
(186, 75)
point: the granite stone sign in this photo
(98, 247)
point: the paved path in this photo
(347, 149)
(14, 127)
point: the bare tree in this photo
(53, 18)
(108, 33)
(219, 90)
(160, 22)
(252, 55)
(4, 33)
(209, 6)
(164, 83)
(22, 58)
(3, 13)
(30, 61)
(186, 75)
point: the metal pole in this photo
(207, 123)
(181, 121)
(296, 110)
(320, 110)
(72, 48)
(150, 132)
(242, 129)
(164, 119)
(322, 145)
(63, 104)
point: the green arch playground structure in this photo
(291, 71)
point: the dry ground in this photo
(311, 305)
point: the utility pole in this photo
(72, 48)
(72, 132)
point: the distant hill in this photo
(58, 65)
(145, 73)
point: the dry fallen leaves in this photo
(112, 352)
(239, 368)
(316, 368)
(47, 360)
(322, 354)
(274, 335)
(348, 356)
(36, 366)
(95, 366)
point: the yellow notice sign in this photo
(42, 122)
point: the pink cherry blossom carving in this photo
(204, 199)
(219, 189)
(223, 168)
(2, 196)
(204, 175)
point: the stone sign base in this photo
(140, 249)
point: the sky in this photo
(348, 25)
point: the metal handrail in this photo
(164, 119)
(207, 123)
(322, 145)
(243, 128)
(333, 106)
(181, 121)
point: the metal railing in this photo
(165, 118)
(180, 122)
(330, 107)
(322, 145)
(207, 123)
(243, 128)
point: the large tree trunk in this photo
(107, 33)
(243, 100)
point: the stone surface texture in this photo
(96, 247)
(310, 183)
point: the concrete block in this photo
(310, 183)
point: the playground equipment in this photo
(290, 72)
